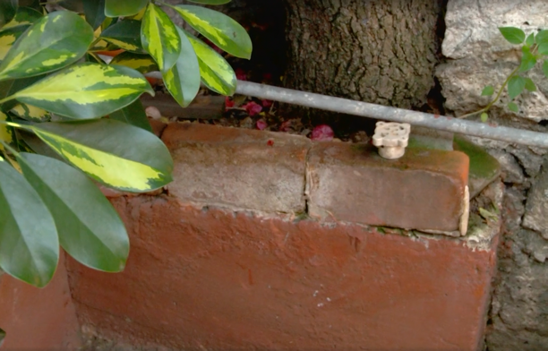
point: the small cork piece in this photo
(391, 138)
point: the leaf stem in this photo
(16, 125)
(488, 106)
(2, 101)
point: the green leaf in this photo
(2, 334)
(216, 72)
(183, 80)
(516, 85)
(488, 90)
(543, 49)
(124, 34)
(512, 34)
(8, 9)
(7, 38)
(222, 30)
(530, 40)
(86, 91)
(139, 62)
(89, 227)
(210, 2)
(57, 40)
(530, 85)
(25, 16)
(117, 8)
(94, 10)
(528, 61)
(160, 38)
(513, 107)
(30, 113)
(545, 68)
(484, 117)
(29, 246)
(542, 37)
(106, 151)
(133, 114)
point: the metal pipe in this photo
(380, 112)
(387, 113)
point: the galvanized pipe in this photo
(387, 113)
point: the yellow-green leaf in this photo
(6, 132)
(139, 62)
(86, 90)
(117, 8)
(216, 72)
(160, 38)
(8, 9)
(124, 34)
(222, 30)
(183, 79)
(7, 38)
(25, 16)
(57, 40)
(29, 112)
(116, 154)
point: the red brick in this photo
(212, 279)
(422, 190)
(239, 168)
(38, 319)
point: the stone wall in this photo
(478, 55)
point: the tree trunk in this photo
(378, 51)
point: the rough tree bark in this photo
(379, 51)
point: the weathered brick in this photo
(218, 280)
(422, 190)
(239, 168)
(38, 319)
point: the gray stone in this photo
(481, 56)
(511, 171)
(529, 160)
(536, 211)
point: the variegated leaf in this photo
(216, 72)
(222, 30)
(29, 246)
(183, 79)
(29, 112)
(94, 235)
(139, 62)
(7, 38)
(124, 34)
(105, 150)
(57, 40)
(25, 16)
(160, 38)
(86, 91)
(124, 8)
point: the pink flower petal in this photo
(322, 133)
(228, 103)
(261, 124)
(241, 75)
(252, 108)
(266, 103)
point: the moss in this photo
(482, 165)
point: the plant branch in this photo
(499, 93)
